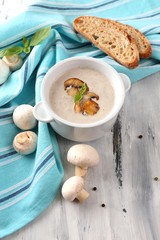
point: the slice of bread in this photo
(110, 38)
(143, 45)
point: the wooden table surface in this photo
(126, 202)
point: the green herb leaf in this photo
(35, 40)
(84, 88)
(10, 51)
(77, 97)
(80, 94)
(40, 35)
(27, 50)
(25, 42)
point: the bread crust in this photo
(110, 38)
(143, 45)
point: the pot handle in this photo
(126, 81)
(40, 114)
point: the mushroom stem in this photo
(83, 195)
(79, 171)
(82, 156)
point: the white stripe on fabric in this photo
(46, 150)
(6, 148)
(6, 122)
(19, 184)
(10, 160)
(11, 109)
(76, 12)
(18, 89)
(24, 33)
(63, 26)
(42, 70)
(154, 41)
(15, 186)
(68, 4)
(68, 29)
(70, 51)
(41, 75)
(73, 45)
(146, 63)
(5, 119)
(156, 49)
(150, 27)
(146, 15)
(30, 65)
(45, 170)
(137, 20)
(20, 77)
(5, 110)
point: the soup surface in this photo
(63, 104)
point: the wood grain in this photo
(125, 180)
(124, 202)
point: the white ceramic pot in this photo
(74, 131)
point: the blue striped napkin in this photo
(28, 184)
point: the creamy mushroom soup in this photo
(64, 106)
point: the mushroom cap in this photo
(72, 187)
(23, 117)
(13, 61)
(25, 142)
(83, 155)
(4, 71)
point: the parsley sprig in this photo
(37, 38)
(80, 94)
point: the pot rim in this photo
(102, 121)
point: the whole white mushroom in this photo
(73, 189)
(4, 71)
(25, 142)
(23, 117)
(13, 61)
(82, 156)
